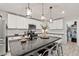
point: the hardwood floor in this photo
(70, 49)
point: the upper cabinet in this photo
(12, 21)
(56, 24)
(21, 22)
(15, 21)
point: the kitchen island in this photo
(30, 47)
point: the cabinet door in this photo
(20, 22)
(26, 22)
(12, 21)
(56, 24)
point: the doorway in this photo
(72, 32)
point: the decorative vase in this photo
(44, 29)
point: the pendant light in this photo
(51, 19)
(42, 17)
(28, 11)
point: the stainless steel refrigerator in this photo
(2, 37)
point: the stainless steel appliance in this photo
(2, 37)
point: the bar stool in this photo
(50, 45)
(60, 49)
(51, 51)
(40, 52)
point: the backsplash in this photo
(21, 31)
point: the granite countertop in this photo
(16, 47)
(37, 33)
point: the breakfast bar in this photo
(30, 47)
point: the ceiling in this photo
(71, 9)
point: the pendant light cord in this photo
(42, 9)
(28, 6)
(50, 11)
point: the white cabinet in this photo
(12, 21)
(15, 21)
(56, 24)
(26, 22)
(20, 22)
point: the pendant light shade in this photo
(28, 11)
(43, 17)
(51, 19)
